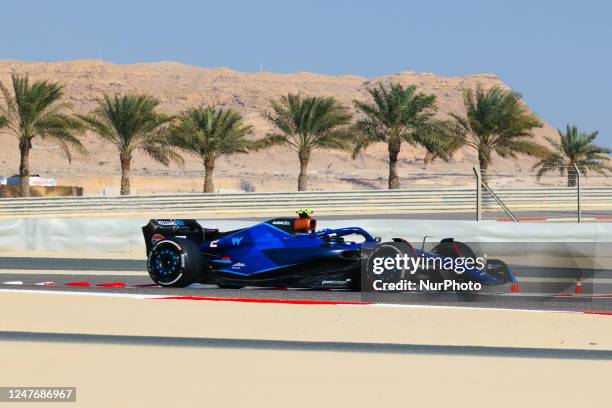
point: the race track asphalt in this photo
(130, 277)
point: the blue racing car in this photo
(286, 252)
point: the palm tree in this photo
(210, 133)
(305, 124)
(34, 110)
(399, 115)
(575, 148)
(496, 121)
(130, 123)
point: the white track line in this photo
(145, 273)
(564, 280)
(82, 293)
(382, 305)
(71, 272)
(47, 283)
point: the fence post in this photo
(578, 191)
(478, 194)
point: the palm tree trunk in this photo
(304, 157)
(483, 160)
(394, 150)
(209, 167)
(24, 167)
(126, 161)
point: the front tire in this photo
(175, 263)
(453, 249)
(386, 276)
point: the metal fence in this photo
(336, 202)
(586, 189)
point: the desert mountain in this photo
(181, 86)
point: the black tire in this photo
(175, 263)
(384, 250)
(453, 249)
(499, 269)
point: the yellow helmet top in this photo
(304, 213)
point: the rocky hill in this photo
(181, 86)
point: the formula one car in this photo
(280, 252)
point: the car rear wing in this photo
(159, 229)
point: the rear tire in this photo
(175, 263)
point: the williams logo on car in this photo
(171, 223)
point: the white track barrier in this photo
(124, 236)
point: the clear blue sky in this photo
(558, 54)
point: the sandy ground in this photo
(73, 313)
(154, 376)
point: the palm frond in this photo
(131, 122)
(35, 110)
(575, 148)
(307, 123)
(496, 120)
(210, 132)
